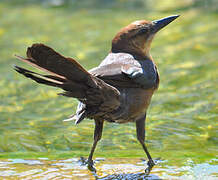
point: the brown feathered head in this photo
(136, 38)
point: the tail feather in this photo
(39, 78)
(70, 76)
(28, 61)
(77, 117)
(76, 90)
(48, 59)
(81, 113)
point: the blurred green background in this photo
(182, 117)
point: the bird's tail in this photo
(68, 75)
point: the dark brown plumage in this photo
(118, 90)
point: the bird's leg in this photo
(97, 137)
(140, 129)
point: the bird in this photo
(119, 90)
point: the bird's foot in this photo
(89, 163)
(150, 164)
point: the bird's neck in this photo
(140, 51)
(138, 54)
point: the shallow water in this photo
(125, 168)
(181, 125)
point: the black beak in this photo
(159, 24)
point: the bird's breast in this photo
(134, 103)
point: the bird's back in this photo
(134, 96)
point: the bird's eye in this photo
(142, 31)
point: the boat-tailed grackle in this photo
(118, 90)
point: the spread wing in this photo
(127, 75)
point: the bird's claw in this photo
(150, 164)
(89, 163)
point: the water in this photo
(181, 126)
(107, 169)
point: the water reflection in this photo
(107, 169)
(138, 176)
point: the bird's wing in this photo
(127, 75)
(146, 76)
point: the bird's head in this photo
(136, 38)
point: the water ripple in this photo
(107, 169)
